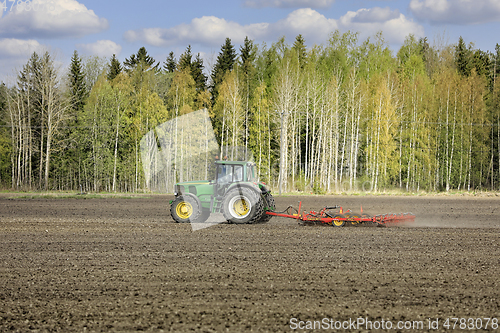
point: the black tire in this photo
(269, 205)
(351, 218)
(205, 214)
(185, 209)
(338, 223)
(242, 205)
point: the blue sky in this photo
(103, 28)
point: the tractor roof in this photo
(233, 162)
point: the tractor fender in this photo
(191, 195)
(256, 190)
(264, 190)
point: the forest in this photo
(346, 115)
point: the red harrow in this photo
(342, 218)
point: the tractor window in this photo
(252, 173)
(238, 173)
(224, 174)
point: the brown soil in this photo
(124, 265)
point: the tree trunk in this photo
(116, 147)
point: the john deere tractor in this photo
(235, 192)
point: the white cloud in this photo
(288, 3)
(376, 14)
(13, 48)
(101, 48)
(461, 12)
(211, 30)
(394, 25)
(14, 53)
(312, 25)
(51, 19)
(207, 30)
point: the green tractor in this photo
(235, 192)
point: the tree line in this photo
(344, 115)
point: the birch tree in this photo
(286, 83)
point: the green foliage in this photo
(93, 68)
(199, 77)
(317, 187)
(225, 62)
(374, 57)
(299, 47)
(142, 59)
(337, 57)
(463, 58)
(182, 93)
(194, 68)
(170, 65)
(77, 86)
(114, 68)
(247, 56)
(5, 144)
(185, 59)
(341, 116)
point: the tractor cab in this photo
(234, 191)
(230, 172)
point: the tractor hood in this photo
(197, 188)
(194, 182)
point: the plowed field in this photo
(124, 265)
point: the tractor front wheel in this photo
(185, 209)
(242, 205)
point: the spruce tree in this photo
(170, 65)
(78, 90)
(193, 67)
(185, 59)
(481, 62)
(141, 57)
(225, 62)
(299, 48)
(247, 55)
(199, 77)
(114, 68)
(462, 58)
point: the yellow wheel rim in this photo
(338, 223)
(241, 207)
(184, 210)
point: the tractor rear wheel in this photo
(185, 209)
(336, 222)
(269, 205)
(242, 205)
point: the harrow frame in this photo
(341, 218)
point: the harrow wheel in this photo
(351, 217)
(338, 223)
